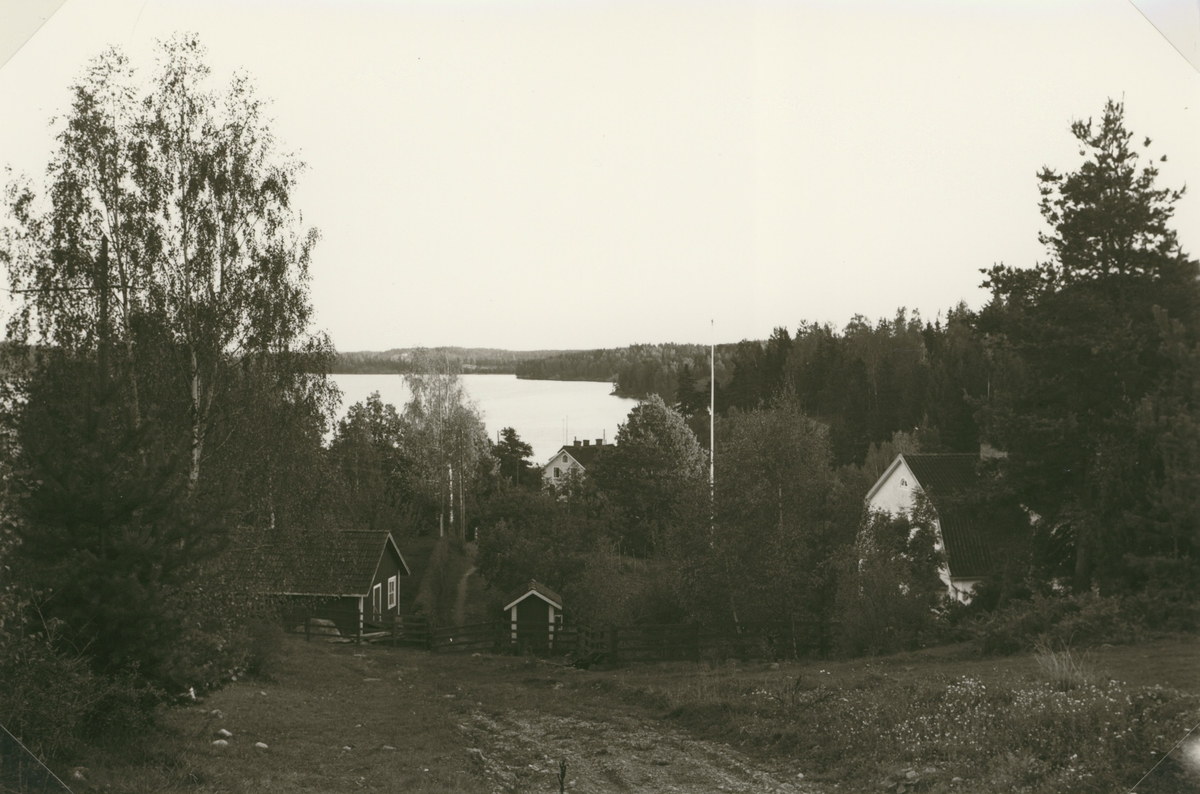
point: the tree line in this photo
(401, 361)
(635, 371)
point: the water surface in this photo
(543, 412)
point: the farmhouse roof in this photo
(944, 473)
(533, 588)
(944, 477)
(328, 562)
(585, 456)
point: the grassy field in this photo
(330, 712)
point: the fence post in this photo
(614, 645)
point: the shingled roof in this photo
(585, 456)
(328, 562)
(944, 477)
(944, 473)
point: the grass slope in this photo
(502, 723)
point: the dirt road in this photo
(521, 751)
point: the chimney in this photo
(585, 442)
(576, 442)
(599, 442)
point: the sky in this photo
(595, 173)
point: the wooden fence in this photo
(612, 644)
(330, 623)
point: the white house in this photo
(939, 476)
(579, 456)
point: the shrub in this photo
(1079, 620)
(889, 591)
(55, 704)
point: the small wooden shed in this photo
(528, 609)
(349, 577)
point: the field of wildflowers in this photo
(1009, 730)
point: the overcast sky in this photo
(588, 173)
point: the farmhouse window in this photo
(391, 592)
(557, 472)
(564, 460)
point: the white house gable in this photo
(894, 492)
(559, 465)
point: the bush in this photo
(1080, 620)
(263, 647)
(55, 704)
(890, 596)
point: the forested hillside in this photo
(634, 371)
(865, 381)
(464, 359)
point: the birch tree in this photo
(188, 187)
(446, 436)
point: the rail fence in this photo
(608, 644)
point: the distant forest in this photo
(635, 371)
(865, 381)
(483, 360)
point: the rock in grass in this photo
(388, 747)
(224, 734)
(220, 743)
(261, 745)
(346, 747)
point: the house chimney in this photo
(585, 442)
(599, 442)
(576, 442)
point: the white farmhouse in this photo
(579, 456)
(940, 477)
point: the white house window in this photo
(557, 472)
(903, 483)
(391, 592)
(564, 459)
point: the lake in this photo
(543, 412)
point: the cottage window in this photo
(557, 472)
(564, 459)
(903, 483)
(391, 592)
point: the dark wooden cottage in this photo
(349, 577)
(534, 612)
